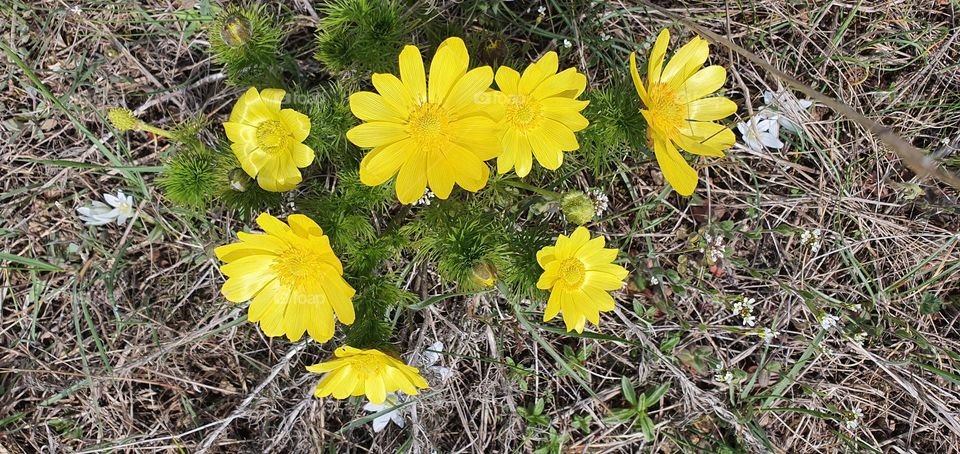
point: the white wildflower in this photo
(542, 10)
(118, 209)
(425, 200)
(829, 321)
(567, 43)
(713, 250)
(654, 280)
(600, 201)
(851, 419)
(744, 308)
(761, 131)
(721, 374)
(767, 334)
(381, 422)
(859, 338)
(789, 108)
(75, 9)
(811, 238)
(605, 37)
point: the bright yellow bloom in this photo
(439, 134)
(355, 372)
(292, 275)
(679, 113)
(539, 112)
(268, 140)
(579, 272)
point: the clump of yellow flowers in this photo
(430, 129)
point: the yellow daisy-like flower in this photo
(437, 135)
(356, 372)
(679, 113)
(579, 272)
(291, 273)
(540, 113)
(267, 140)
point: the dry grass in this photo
(131, 348)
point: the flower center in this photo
(272, 136)
(428, 125)
(665, 113)
(572, 272)
(297, 269)
(523, 112)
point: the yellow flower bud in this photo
(484, 274)
(123, 119)
(577, 207)
(236, 31)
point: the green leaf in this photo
(657, 393)
(646, 424)
(34, 264)
(628, 392)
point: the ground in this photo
(116, 338)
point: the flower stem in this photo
(157, 131)
(544, 192)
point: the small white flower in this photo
(605, 37)
(567, 43)
(857, 307)
(750, 320)
(811, 238)
(767, 334)
(721, 374)
(744, 308)
(75, 9)
(380, 422)
(600, 201)
(789, 107)
(425, 200)
(829, 321)
(654, 280)
(118, 209)
(542, 10)
(859, 338)
(761, 131)
(852, 418)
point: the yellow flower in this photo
(355, 372)
(292, 275)
(579, 272)
(679, 113)
(539, 113)
(439, 134)
(268, 140)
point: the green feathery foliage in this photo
(242, 193)
(375, 296)
(363, 35)
(330, 119)
(246, 40)
(194, 176)
(616, 127)
(344, 214)
(461, 239)
(522, 270)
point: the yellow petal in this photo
(383, 163)
(303, 226)
(273, 226)
(566, 111)
(468, 89)
(393, 91)
(477, 134)
(637, 83)
(302, 155)
(538, 72)
(546, 149)
(510, 143)
(677, 172)
(568, 83)
(556, 135)
(240, 132)
(553, 306)
(411, 182)
(412, 75)
(297, 124)
(375, 389)
(447, 67)
(706, 139)
(250, 109)
(709, 109)
(703, 83)
(686, 61)
(440, 175)
(469, 171)
(376, 134)
(272, 97)
(243, 287)
(369, 106)
(546, 256)
(279, 175)
(264, 300)
(657, 54)
(508, 80)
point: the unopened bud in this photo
(577, 207)
(236, 31)
(123, 119)
(239, 180)
(484, 274)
